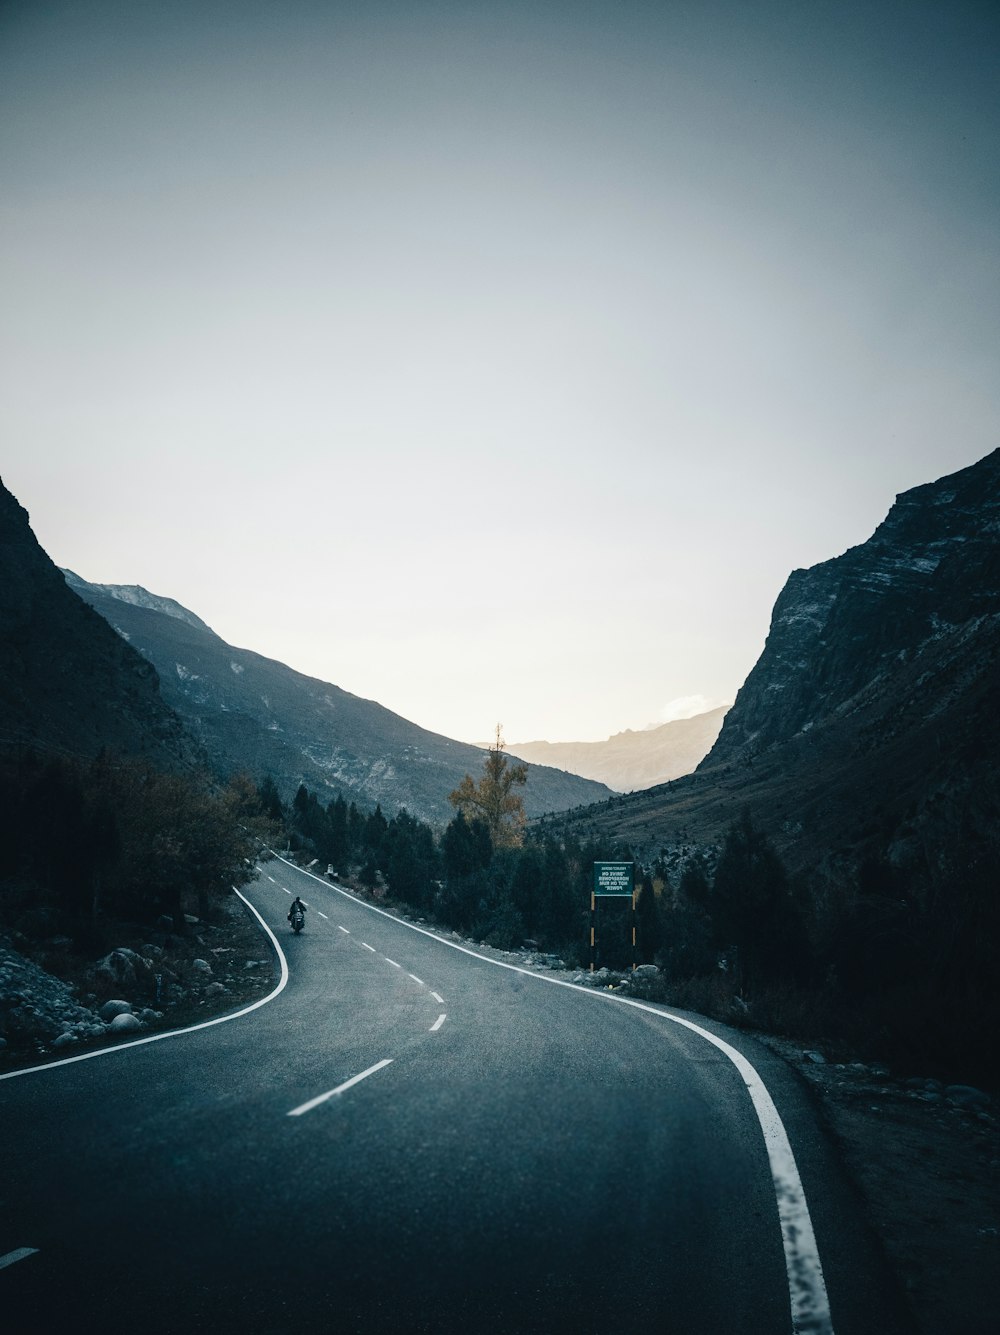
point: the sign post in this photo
(612, 880)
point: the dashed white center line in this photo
(438, 1023)
(287, 892)
(355, 1079)
(368, 947)
(322, 914)
(343, 929)
(13, 1257)
(418, 980)
(272, 880)
(437, 998)
(392, 962)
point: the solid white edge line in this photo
(438, 1023)
(173, 1033)
(13, 1257)
(810, 1303)
(322, 1098)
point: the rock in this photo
(124, 969)
(126, 1023)
(111, 1009)
(147, 1016)
(215, 990)
(644, 971)
(65, 1040)
(201, 966)
(967, 1096)
(816, 1057)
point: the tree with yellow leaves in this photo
(493, 800)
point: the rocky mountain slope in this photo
(67, 683)
(870, 726)
(256, 714)
(629, 760)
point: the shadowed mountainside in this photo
(253, 713)
(66, 683)
(870, 726)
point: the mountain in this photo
(67, 683)
(632, 760)
(870, 726)
(253, 713)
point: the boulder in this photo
(126, 1023)
(967, 1096)
(124, 969)
(201, 966)
(111, 1009)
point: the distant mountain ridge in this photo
(630, 760)
(870, 726)
(256, 714)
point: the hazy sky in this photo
(492, 361)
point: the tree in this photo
(465, 846)
(752, 908)
(493, 800)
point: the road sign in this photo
(615, 879)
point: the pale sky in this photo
(497, 362)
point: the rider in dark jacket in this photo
(297, 907)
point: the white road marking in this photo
(322, 914)
(438, 1023)
(355, 1079)
(287, 892)
(418, 980)
(343, 929)
(272, 880)
(810, 1303)
(175, 1033)
(13, 1257)
(392, 962)
(438, 998)
(368, 947)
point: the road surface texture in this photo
(517, 1156)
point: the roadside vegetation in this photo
(893, 967)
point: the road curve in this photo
(409, 1138)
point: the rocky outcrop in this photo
(870, 726)
(847, 629)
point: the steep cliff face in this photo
(67, 682)
(869, 729)
(845, 630)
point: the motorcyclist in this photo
(297, 907)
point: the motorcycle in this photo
(298, 921)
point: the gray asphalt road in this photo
(538, 1160)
